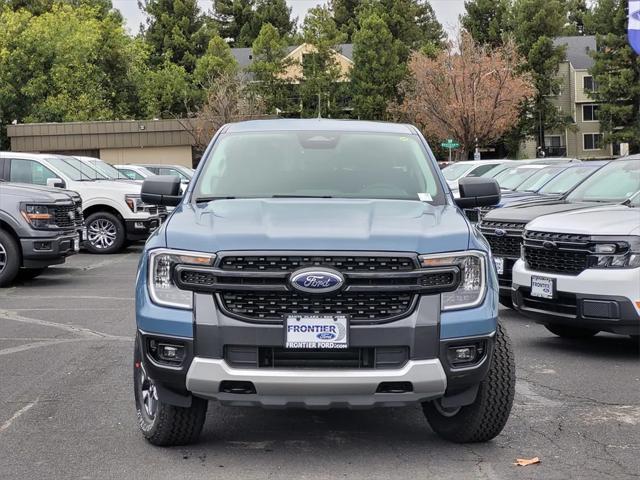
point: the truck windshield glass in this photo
(566, 180)
(318, 164)
(69, 170)
(107, 170)
(537, 180)
(87, 171)
(615, 182)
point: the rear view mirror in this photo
(55, 182)
(161, 190)
(478, 192)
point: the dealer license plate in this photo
(316, 332)
(499, 261)
(76, 244)
(542, 287)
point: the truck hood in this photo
(109, 186)
(36, 193)
(609, 220)
(528, 210)
(317, 224)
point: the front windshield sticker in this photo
(425, 197)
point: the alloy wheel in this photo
(149, 394)
(3, 258)
(102, 233)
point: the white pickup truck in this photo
(113, 211)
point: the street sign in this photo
(450, 143)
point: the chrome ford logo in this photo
(500, 232)
(326, 336)
(312, 280)
(549, 245)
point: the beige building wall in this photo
(175, 155)
(294, 74)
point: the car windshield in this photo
(186, 172)
(319, 164)
(67, 169)
(105, 169)
(536, 181)
(87, 171)
(494, 172)
(566, 180)
(613, 183)
(513, 177)
(455, 171)
(131, 174)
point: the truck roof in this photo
(318, 124)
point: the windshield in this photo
(87, 171)
(613, 183)
(455, 171)
(566, 180)
(511, 178)
(536, 181)
(494, 172)
(66, 169)
(319, 164)
(105, 169)
(186, 172)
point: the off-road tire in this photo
(12, 258)
(485, 418)
(170, 425)
(120, 233)
(571, 332)
(30, 273)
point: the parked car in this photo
(184, 173)
(319, 263)
(39, 227)
(471, 168)
(579, 272)
(113, 211)
(503, 227)
(134, 172)
(107, 169)
(552, 181)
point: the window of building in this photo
(589, 84)
(592, 141)
(553, 141)
(590, 113)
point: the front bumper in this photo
(607, 300)
(38, 252)
(142, 228)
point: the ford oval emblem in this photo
(549, 245)
(500, 232)
(316, 280)
(326, 336)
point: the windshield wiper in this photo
(211, 199)
(301, 196)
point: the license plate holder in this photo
(499, 261)
(76, 244)
(543, 287)
(316, 332)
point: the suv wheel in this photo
(9, 258)
(571, 332)
(160, 423)
(485, 418)
(105, 233)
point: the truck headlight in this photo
(618, 254)
(162, 289)
(133, 202)
(39, 216)
(473, 284)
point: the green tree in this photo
(377, 69)
(617, 75)
(344, 14)
(322, 84)
(37, 7)
(577, 11)
(217, 60)
(176, 30)
(488, 21)
(601, 18)
(166, 91)
(269, 52)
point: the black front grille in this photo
(564, 304)
(343, 263)
(153, 210)
(65, 215)
(79, 214)
(353, 358)
(508, 243)
(562, 253)
(472, 214)
(274, 306)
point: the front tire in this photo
(105, 233)
(10, 258)
(571, 332)
(485, 418)
(163, 424)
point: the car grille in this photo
(565, 254)
(66, 216)
(565, 304)
(275, 306)
(507, 245)
(268, 263)
(472, 214)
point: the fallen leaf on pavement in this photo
(523, 462)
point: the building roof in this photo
(319, 124)
(244, 56)
(578, 51)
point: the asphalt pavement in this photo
(67, 411)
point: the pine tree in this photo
(216, 61)
(487, 21)
(377, 69)
(617, 74)
(344, 14)
(176, 30)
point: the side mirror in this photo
(56, 183)
(161, 190)
(478, 192)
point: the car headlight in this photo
(162, 289)
(617, 254)
(134, 202)
(39, 216)
(473, 284)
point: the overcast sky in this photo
(447, 11)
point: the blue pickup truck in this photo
(319, 264)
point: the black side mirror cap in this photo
(161, 190)
(478, 192)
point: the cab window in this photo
(28, 171)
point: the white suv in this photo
(113, 211)
(580, 271)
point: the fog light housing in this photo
(138, 225)
(466, 354)
(167, 353)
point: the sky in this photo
(447, 11)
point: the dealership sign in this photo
(634, 25)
